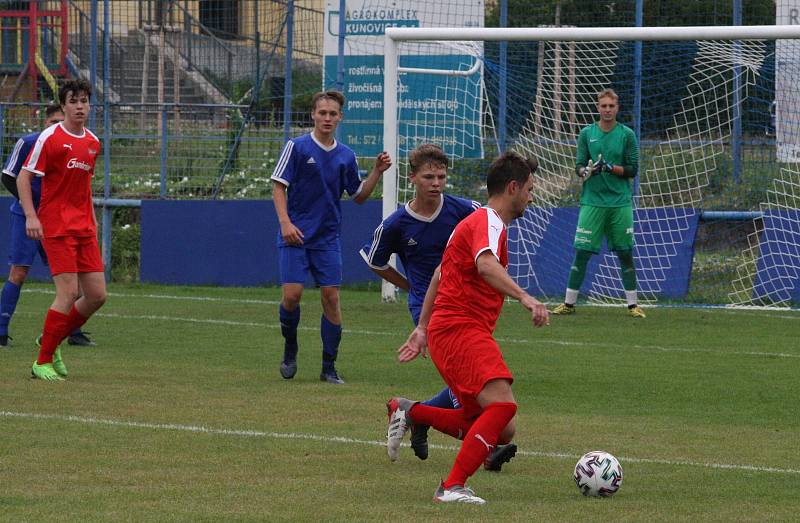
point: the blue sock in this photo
(331, 336)
(443, 400)
(289, 321)
(8, 304)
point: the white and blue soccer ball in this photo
(598, 474)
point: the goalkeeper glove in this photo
(604, 166)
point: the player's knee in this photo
(18, 274)
(330, 299)
(291, 299)
(98, 298)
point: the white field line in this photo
(793, 314)
(515, 341)
(199, 429)
(518, 341)
(170, 297)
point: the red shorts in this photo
(467, 357)
(73, 254)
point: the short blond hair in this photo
(608, 93)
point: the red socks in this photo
(479, 441)
(448, 421)
(74, 320)
(57, 326)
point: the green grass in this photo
(179, 414)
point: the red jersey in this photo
(65, 162)
(463, 295)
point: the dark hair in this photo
(510, 166)
(425, 154)
(52, 109)
(336, 96)
(74, 87)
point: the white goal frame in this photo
(396, 35)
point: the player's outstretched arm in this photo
(33, 226)
(392, 276)
(290, 234)
(497, 277)
(382, 162)
(417, 342)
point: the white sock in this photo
(630, 296)
(571, 297)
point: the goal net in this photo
(718, 120)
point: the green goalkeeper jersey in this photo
(619, 147)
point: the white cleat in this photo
(399, 424)
(457, 494)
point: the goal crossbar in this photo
(736, 32)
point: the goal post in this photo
(685, 156)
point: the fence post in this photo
(287, 79)
(163, 191)
(637, 86)
(2, 130)
(502, 103)
(736, 138)
(107, 216)
(93, 61)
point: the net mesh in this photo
(688, 113)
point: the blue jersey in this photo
(315, 178)
(418, 241)
(13, 166)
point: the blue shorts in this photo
(22, 250)
(325, 265)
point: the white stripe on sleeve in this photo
(283, 161)
(30, 165)
(13, 159)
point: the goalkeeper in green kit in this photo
(606, 162)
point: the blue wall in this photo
(234, 242)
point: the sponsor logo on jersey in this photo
(311, 160)
(629, 230)
(412, 242)
(67, 146)
(583, 231)
(74, 163)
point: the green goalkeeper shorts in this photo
(613, 223)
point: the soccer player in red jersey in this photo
(64, 157)
(458, 318)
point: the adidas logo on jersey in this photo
(412, 242)
(311, 160)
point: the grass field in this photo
(179, 414)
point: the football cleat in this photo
(564, 308)
(4, 340)
(500, 455)
(419, 440)
(58, 363)
(636, 312)
(457, 494)
(331, 377)
(45, 372)
(80, 339)
(399, 422)
(288, 369)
